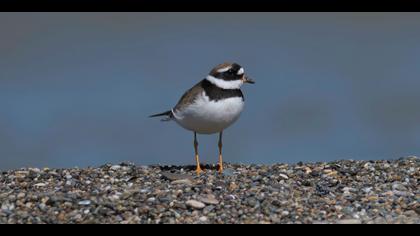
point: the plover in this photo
(212, 105)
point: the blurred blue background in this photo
(76, 89)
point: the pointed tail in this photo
(169, 115)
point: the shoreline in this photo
(344, 191)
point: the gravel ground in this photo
(336, 192)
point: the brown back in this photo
(189, 97)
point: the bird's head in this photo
(229, 76)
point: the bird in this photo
(211, 105)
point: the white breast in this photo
(207, 117)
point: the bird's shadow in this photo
(175, 168)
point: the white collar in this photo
(232, 84)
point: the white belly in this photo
(207, 117)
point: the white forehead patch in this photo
(224, 69)
(241, 71)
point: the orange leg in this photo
(220, 153)
(198, 170)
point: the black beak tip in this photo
(248, 80)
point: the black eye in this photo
(230, 71)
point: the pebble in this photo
(152, 199)
(144, 191)
(174, 177)
(349, 221)
(208, 209)
(398, 187)
(283, 176)
(367, 189)
(228, 172)
(210, 200)
(182, 182)
(85, 202)
(39, 185)
(115, 167)
(285, 213)
(195, 204)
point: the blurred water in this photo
(76, 88)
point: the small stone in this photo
(275, 219)
(165, 199)
(37, 170)
(144, 190)
(203, 219)
(276, 203)
(252, 202)
(115, 167)
(180, 205)
(152, 199)
(322, 189)
(182, 182)
(114, 197)
(402, 193)
(219, 188)
(230, 197)
(373, 198)
(330, 172)
(388, 194)
(4, 207)
(173, 177)
(349, 221)
(40, 185)
(21, 195)
(367, 165)
(399, 187)
(283, 176)
(417, 210)
(210, 200)
(208, 209)
(42, 206)
(285, 213)
(228, 172)
(348, 189)
(348, 210)
(78, 217)
(195, 204)
(85, 202)
(367, 189)
(232, 187)
(62, 217)
(379, 220)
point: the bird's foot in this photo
(198, 170)
(220, 168)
